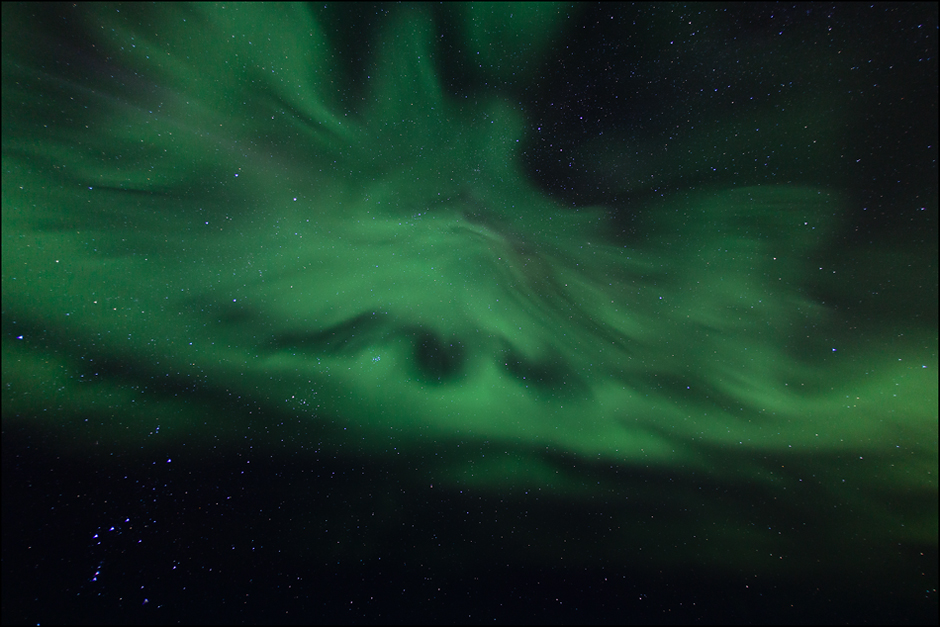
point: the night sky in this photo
(469, 313)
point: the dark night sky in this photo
(634, 103)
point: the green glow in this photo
(370, 258)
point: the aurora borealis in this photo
(357, 290)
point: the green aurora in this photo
(213, 236)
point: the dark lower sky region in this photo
(466, 313)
